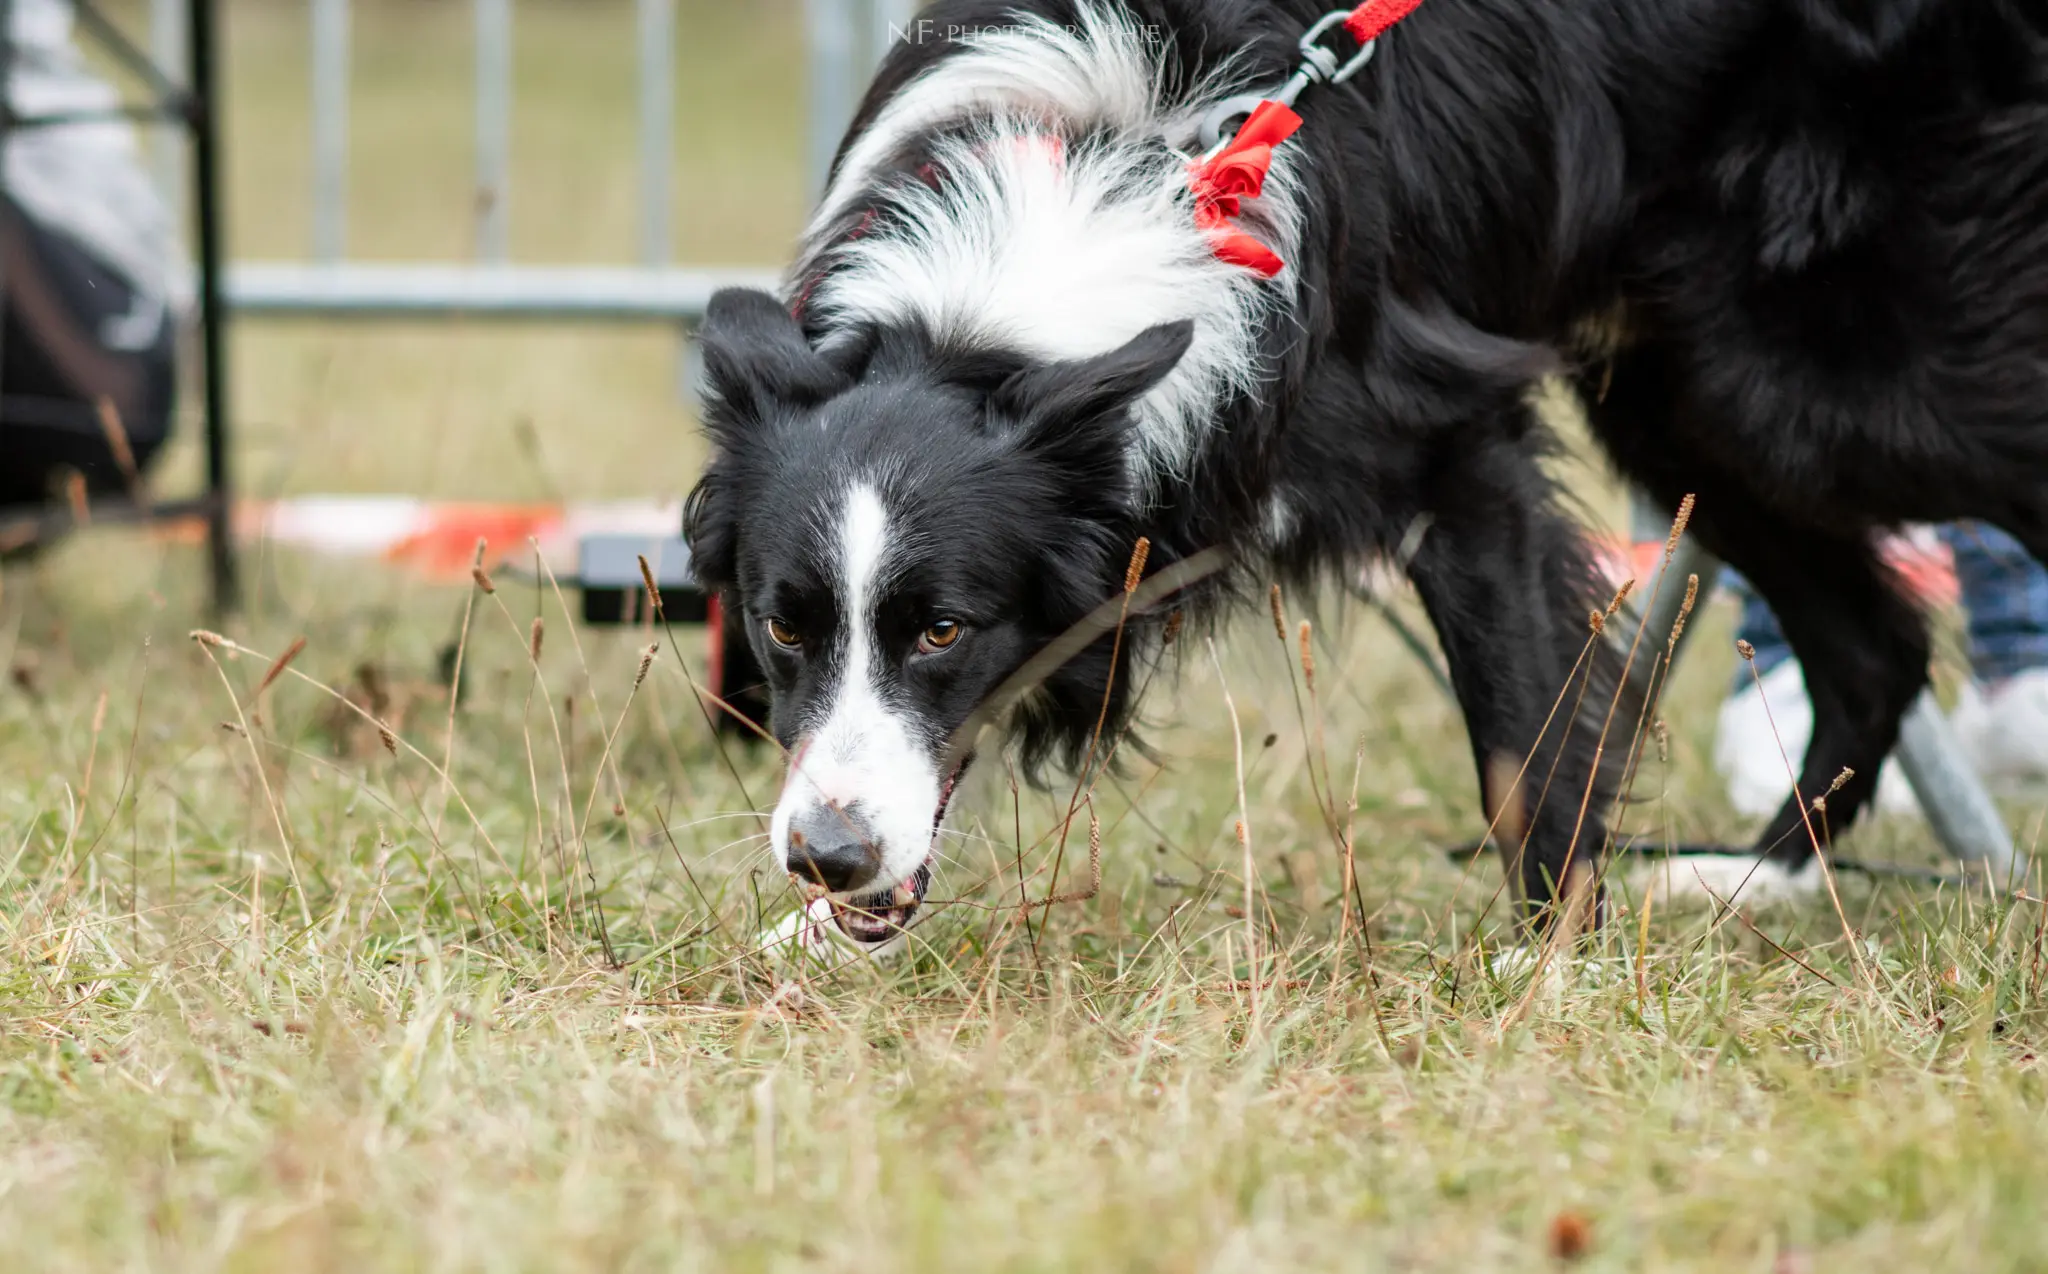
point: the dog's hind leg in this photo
(1508, 583)
(1861, 645)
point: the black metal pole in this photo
(6, 132)
(203, 119)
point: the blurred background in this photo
(464, 238)
(476, 408)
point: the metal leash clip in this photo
(1320, 64)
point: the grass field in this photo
(275, 995)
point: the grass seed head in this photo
(653, 589)
(282, 662)
(1692, 595)
(1136, 570)
(1620, 596)
(1678, 525)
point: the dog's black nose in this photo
(831, 847)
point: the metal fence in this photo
(845, 39)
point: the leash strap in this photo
(1369, 21)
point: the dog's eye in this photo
(783, 635)
(939, 636)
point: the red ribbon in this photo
(1236, 173)
(1370, 20)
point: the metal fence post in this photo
(167, 147)
(493, 127)
(205, 106)
(330, 128)
(657, 131)
(834, 40)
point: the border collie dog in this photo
(1794, 252)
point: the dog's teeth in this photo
(904, 896)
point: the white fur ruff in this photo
(1059, 251)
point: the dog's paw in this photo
(1515, 964)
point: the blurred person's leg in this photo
(2001, 720)
(1765, 721)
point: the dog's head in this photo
(902, 527)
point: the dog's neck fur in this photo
(1059, 227)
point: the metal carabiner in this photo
(1312, 48)
(1319, 65)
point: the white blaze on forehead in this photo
(866, 761)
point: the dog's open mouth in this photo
(873, 919)
(877, 917)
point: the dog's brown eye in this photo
(783, 635)
(939, 636)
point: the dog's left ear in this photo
(756, 355)
(1060, 402)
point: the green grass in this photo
(275, 997)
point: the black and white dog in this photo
(1794, 251)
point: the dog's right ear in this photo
(757, 358)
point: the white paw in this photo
(1737, 879)
(1511, 964)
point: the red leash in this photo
(1369, 21)
(1236, 170)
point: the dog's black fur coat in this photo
(1795, 252)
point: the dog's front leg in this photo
(1508, 583)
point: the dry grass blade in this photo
(278, 665)
(1244, 840)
